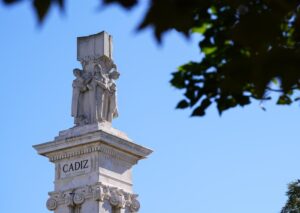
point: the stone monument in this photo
(93, 161)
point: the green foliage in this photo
(247, 45)
(250, 48)
(293, 203)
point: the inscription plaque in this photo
(75, 167)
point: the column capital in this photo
(98, 192)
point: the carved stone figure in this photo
(79, 87)
(112, 96)
(100, 83)
(94, 92)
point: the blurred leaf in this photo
(202, 28)
(125, 3)
(200, 111)
(41, 7)
(61, 4)
(11, 1)
(275, 81)
(182, 104)
(178, 80)
(284, 100)
(209, 50)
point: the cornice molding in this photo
(101, 136)
(96, 147)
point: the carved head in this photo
(77, 72)
(114, 74)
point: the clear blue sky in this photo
(240, 162)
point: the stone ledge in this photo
(81, 130)
(85, 135)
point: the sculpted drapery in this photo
(94, 92)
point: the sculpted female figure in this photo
(79, 87)
(112, 110)
(100, 83)
(94, 95)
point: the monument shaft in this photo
(93, 161)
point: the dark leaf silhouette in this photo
(41, 7)
(125, 3)
(182, 104)
(10, 1)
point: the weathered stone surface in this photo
(94, 96)
(97, 165)
(80, 130)
(98, 198)
(93, 161)
(94, 46)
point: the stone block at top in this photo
(94, 46)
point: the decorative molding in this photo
(134, 206)
(117, 198)
(78, 198)
(51, 204)
(68, 199)
(98, 192)
(96, 148)
(112, 138)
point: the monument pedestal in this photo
(93, 165)
(93, 161)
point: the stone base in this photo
(81, 130)
(93, 165)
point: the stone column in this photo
(93, 161)
(93, 166)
